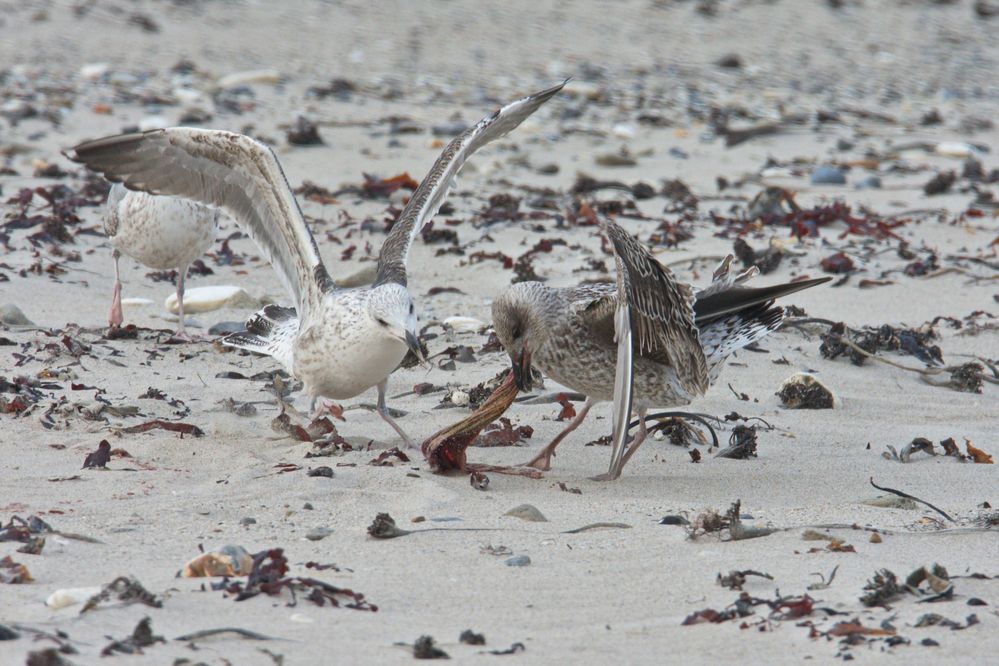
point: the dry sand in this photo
(604, 595)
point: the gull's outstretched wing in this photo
(429, 196)
(661, 310)
(231, 171)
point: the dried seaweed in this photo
(142, 636)
(741, 443)
(124, 589)
(734, 580)
(268, 576)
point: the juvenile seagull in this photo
(159, 232)
(339, 342)
(648, 335)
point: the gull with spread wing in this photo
(159, 232)
(648, 341)
(339, 342)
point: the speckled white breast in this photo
(342, 352)
(159, 231)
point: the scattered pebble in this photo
(11, 315)
(318, 533)
(828, 175)
(527, 512)
(871, 182)
(518, 561)
(226, 327)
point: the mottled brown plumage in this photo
(678, 337)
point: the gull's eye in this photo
(516, 333)
(382, 321)
(411, 308)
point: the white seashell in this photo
(623, 131)
(301, 617)
(206, 299)
(94, 70)
(956, 149)
(459, 398)
(70, 596)
(463, 324)
(249, 77)
(136, 301)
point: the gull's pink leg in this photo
(383, 412)
(181, 332)
(115, 317)
(543, 460)
(643, 431)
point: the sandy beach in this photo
(833, 138)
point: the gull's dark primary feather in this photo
(430, 194)
(231, 171)
(713, 307)
(662, 313)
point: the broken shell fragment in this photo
(70, 596)
(206, 299)
(804, 391)
(226, 561)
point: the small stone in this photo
(308, 506)
(673, 520)
(620, 159)
(527, 512)
(875, 538)
(804, 391)
(975, 601)
(871, 182)
(226, 327)
(460, 398)
(844, 144)
(449, 129)
(304, 133)
(8, 634)
(318, 533)
(469, 637)
(729, 61)
(518, 561)
(828, 175)
(323, 471)
(549, 169)
(11, 315)
(247, 521)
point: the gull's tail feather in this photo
(721, 337)
(271, 331)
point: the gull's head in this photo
(520, 327)
(391, 309)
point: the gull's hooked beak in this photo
(522, 370)
(414, 346)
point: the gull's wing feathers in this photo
(429, 196)
(661, 310)
(623, 380)
(230, 171)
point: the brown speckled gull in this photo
(648, 341)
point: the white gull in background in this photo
(339, 342)
(160, 232)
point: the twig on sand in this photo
(915, 499)
(208, 633)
